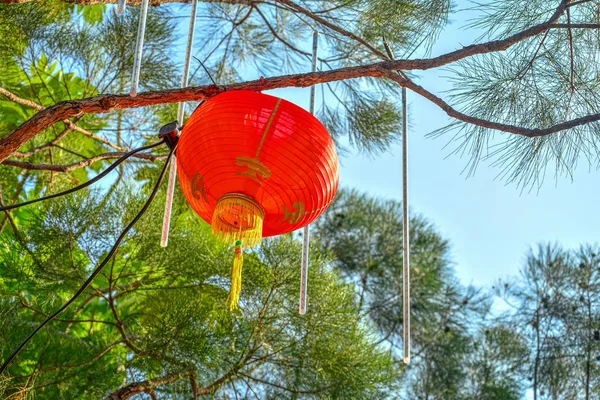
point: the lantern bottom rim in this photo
(238, 217)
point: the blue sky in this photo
(490, 224)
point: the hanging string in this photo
(164, 240)
(205, 70)
(306, 230)
(405, 223)
(98, 268)
(139, 46)
(121, 6)
(236, 277)
(405, 232)
(86, 184)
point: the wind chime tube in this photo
(306, 229)
(164, 240)
(139, 45)
(188, 58)
(405, 233)
(405, 223)
(313, 88)
(121, 6)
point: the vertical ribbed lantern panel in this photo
(261, 147)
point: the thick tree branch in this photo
(70, 124)
(452, 112)
(138, 387)
(143, 387)
(576, 26)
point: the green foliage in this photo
(539, 82)
(161, 312)
(93, 14)
(58, 52)
(155, 312)
(556, 310)
(409, 24)
(364, 235)
(496, 364)
(371, 126)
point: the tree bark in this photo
(142, 387)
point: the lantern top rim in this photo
(243, 197)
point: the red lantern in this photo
(253, 165)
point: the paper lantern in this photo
(254, 165)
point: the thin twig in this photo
(70, 124)
(81, 164)
(572, 51)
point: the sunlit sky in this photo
(490, 224)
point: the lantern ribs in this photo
(384, 70)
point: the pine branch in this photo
(138, 387)
(572, 51)
(530, 64)
(68, 366)
(80, 164)
(452, 112)
(282, 40)
(143, 387)
(291, 5)
(287, 389)
(575, 26)
(70, 124)
(297, 8)
(576, 3)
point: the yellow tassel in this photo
(237, 218)
(236, 277)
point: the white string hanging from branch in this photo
(405, 224)
(405, 233)
(121, 6)
(164, 240)
(139, 46)
(306, 230)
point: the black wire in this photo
(86, 184)
(206, 70)
(98, 268)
